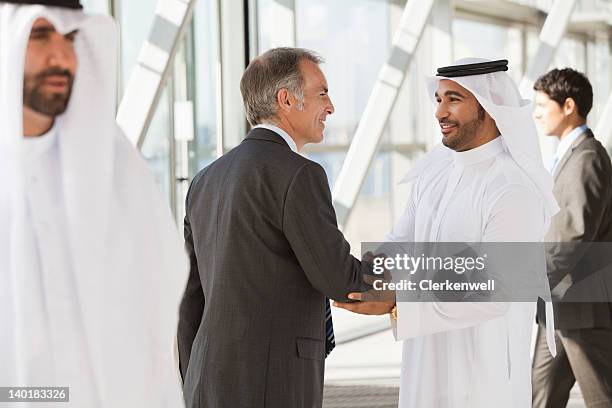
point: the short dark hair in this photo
(560, 84)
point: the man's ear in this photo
(569, 106)
(283, 98)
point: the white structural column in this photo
(602, 61)
(603, 131)
(147, 80)
(183, 132)
(379, 107)
(551, 35)
(252, 21)
(232, 21)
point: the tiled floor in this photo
(368, 396)
(360, 396)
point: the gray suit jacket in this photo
(265, 251)
(583, 189)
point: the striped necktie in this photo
(330, 341)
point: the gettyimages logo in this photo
(449, 274)
(411, 264)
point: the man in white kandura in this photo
(484, 183)
(91, 264)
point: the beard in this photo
(465, 132)
(46, 103)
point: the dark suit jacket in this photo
(583, 189)
(265, 251)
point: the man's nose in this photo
(60, 53)
(330, 108)
(441, 112)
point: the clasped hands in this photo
(371, 302)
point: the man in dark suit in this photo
(583, 188)
(265, 251)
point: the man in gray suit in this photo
(583, 188)
(265, 251)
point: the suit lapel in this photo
(583, 136)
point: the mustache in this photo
(448, 122)
(41, 76)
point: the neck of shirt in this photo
(568, 140)
(480, 153)
(279, 132)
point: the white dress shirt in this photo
(565, 144)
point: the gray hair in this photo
(267, 74)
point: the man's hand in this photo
(365, 307)
(372, 302)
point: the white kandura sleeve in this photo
(403, 230)
(516, 215)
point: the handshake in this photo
(373, 301)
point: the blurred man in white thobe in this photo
(91, 264)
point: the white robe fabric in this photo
(91, 264)
(468, 355)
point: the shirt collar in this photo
(281, 133)
(567, 141)
(480, 153)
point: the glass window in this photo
(353, 54)
(202, 151)
(600, 75)
(489, 40)
(570, 53)
(353, 57)
(156, 148)
(136, 20)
